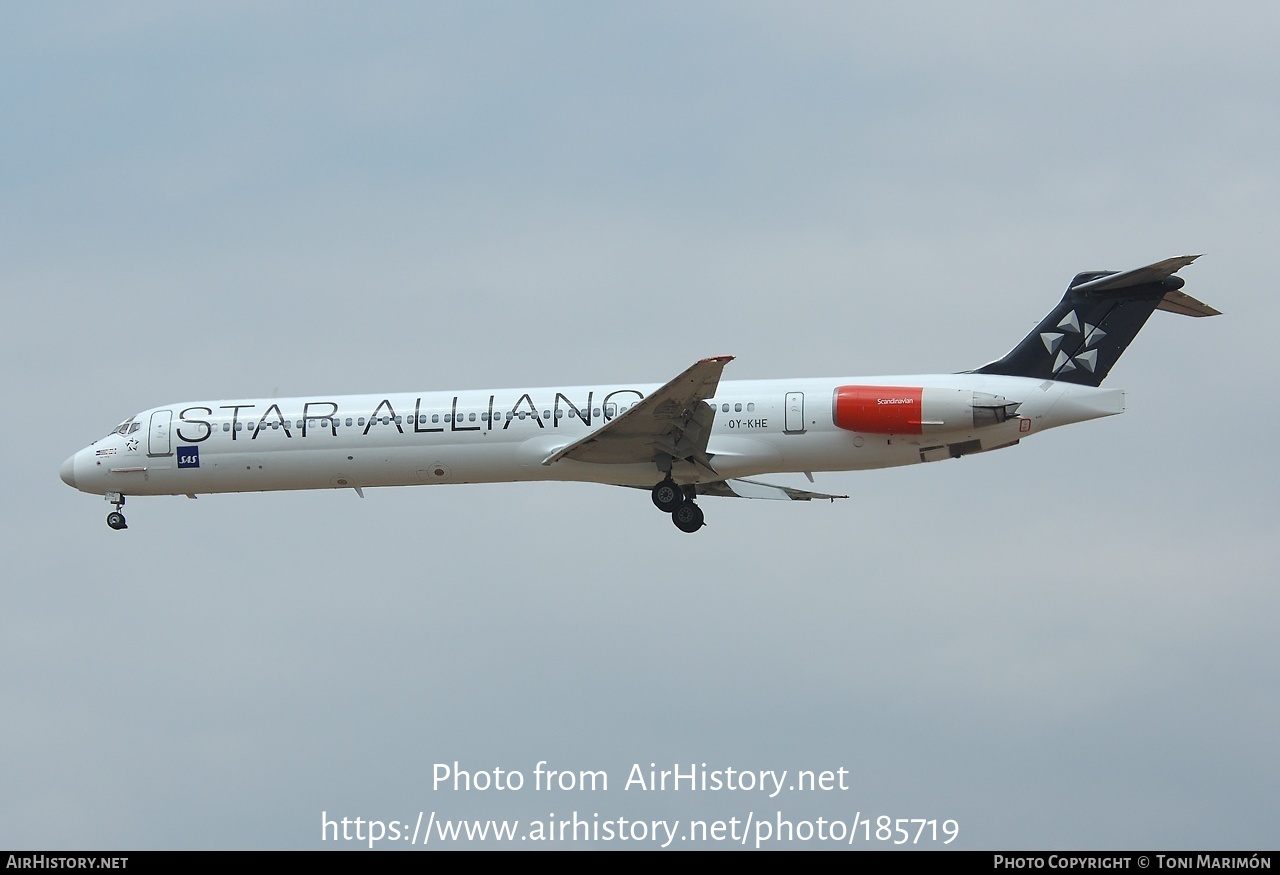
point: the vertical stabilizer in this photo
(1096, 320)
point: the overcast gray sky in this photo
(1066, 644)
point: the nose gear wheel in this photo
(115, 519)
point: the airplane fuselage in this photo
(504, 435)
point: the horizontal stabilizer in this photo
(1139, 276)
(1185, 305)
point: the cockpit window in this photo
(126, 427)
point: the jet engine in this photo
(917, 409)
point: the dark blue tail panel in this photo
(1094, 323)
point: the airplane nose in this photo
(68, 472)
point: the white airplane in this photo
(693, 436)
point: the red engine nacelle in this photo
(916, 409)
(880, 409)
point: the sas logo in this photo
(188, 457)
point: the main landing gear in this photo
(670, 498)
(115, 519)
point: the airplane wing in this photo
(741, 488)
(675, 421)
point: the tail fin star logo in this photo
(1086, 357)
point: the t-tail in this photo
(1096, 320)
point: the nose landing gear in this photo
(115, 519)
(670, 498)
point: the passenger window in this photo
(737, 408)
(724, 408)
(471, 417)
